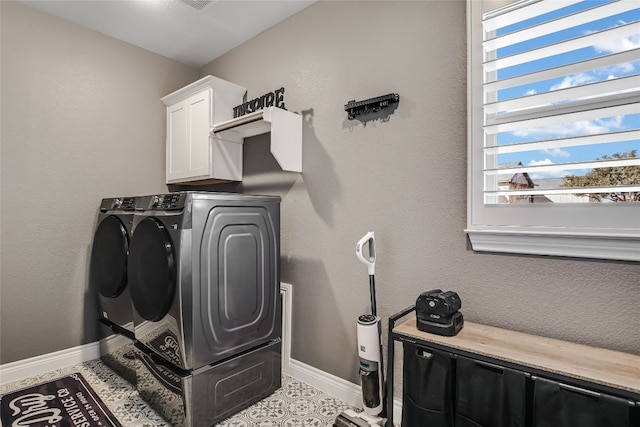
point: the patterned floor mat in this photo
(65, 402)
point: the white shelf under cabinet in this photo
(285, 128)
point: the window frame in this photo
(583, 230)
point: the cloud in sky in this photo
(541, 162)
(622, 69)
(554, 173)
(557, 152)
(574, 80)
(616, 46)
(619, 45)
(584, 127)
(606, 73)
(545, 174)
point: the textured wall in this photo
(81, 120)
(73, 100)
(405, 179)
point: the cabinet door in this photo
(177, 141)
(198, 142)
(427, 398)
(489, 395)
(560, 405)
(188, 143)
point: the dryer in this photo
(108, 276)
(204, 273)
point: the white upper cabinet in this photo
(204, 140)
(193, 156)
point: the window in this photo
(554, 127)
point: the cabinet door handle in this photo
(490, 366)
(579, 390)
(589, 393)
(423, 353)
(571, 388)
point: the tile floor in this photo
(295, 404)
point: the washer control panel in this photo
(118, 203)
(166, 202)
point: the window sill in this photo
(624, 248)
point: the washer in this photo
(108, 276)
(204, 273)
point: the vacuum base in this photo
(350, 418)
(448, 329)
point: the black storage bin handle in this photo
(580, 390)
(490, 366)
(423, 353)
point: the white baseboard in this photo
(329, 383)
(21, 369)
(286, 290)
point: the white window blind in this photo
(554, 113)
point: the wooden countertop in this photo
(597, 365)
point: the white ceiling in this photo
(174, 28)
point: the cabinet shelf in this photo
(556, 374)
(609, 368)
(285, 128)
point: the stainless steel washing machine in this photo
(108, 276)
(204, 273)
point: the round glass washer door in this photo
(108, 265)
(152, 269)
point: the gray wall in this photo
(81, 120)
(406, 180)
(356, 178)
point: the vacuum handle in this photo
(368, 240)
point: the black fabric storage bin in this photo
(427, 398)
(559, 405)
(489, 395)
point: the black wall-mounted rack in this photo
(373, 105)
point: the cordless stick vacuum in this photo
(369, 351)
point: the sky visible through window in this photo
(577, 128)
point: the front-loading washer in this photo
(108, 276)
(204, 273)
